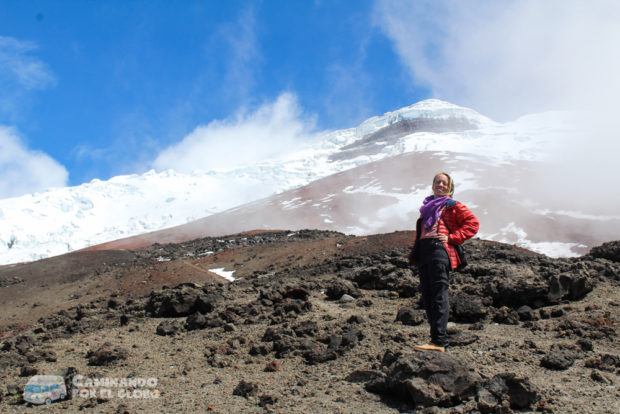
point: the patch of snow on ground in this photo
(224, 273)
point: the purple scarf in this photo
(429, 212)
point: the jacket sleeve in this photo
(467, 225)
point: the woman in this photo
(443, 223)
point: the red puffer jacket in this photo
(463, 223)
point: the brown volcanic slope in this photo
(530, 333)
(50, 285)
(509, 198)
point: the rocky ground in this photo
(314, 322)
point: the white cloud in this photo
(26, 171)
(514, 57)
(242, 55)
(508, 58)
(16, 65)
(270, 131)
(20, 74)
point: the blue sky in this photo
(94, 89)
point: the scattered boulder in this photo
(337, 345)
(520, 285)
(338, 287)
(28, 371)
(195, 321)
(388, 277)
(560, 357)
(568, 285)
(609, 251)
(169, 327)
(356, 319)
(23, 344)
(604, 362)
(410, 316)
(506, 316)
(182, 300)
(106, 354)
(599, 377)
(272, 366)
(526, 313)
(468, 308)
(244, 389)
(506, 390)
(425, 379)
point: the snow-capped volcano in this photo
(65, 219)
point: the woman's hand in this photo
(443, 237)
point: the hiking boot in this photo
(430, 347)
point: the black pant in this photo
(434, 266)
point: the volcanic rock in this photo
(560, 357)
(106, 354)
(609, 251)
(338, 287)
(244, 389)
(468, 308)
(169, 328)
(506, 390)
(409, 316)
(425, 379)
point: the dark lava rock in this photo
(604, 362)
(206, 303)
(467, 308)
(609, 251)
(585, 344)
(338, 287)
(518, 285)
(506, 316)
(506, 390)
(568, 285)
(356, 319)
(292, 306)
(168, 328)
(195, 321)
(409, 316)
(272, 366)
(362, 376)
(337, 345)
(244, 389)
(462, 338)
(260, 349)
(560, 357)
(28, 371)
(296, 292)
(598, 377)
(266, 399)
(388, 277)
(526, 313)
(182, 300)
(106, 354)
(10, 281)
(23, 344)
(425, 379)
(306, 328)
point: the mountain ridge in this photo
(61, 220)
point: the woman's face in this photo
(440, 185)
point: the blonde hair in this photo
(450, 182)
